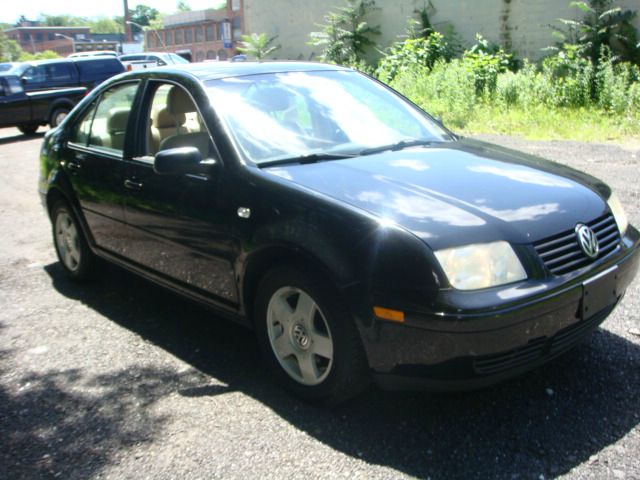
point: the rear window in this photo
(132, 58)
(100, 66)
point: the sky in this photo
(32, 9)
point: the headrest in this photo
(164, 119)
(178, 101)
(118, 118)
(273, 99)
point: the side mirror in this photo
(182, 160)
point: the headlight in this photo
(618, 213)
(481, 266)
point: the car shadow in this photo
(544, 423)
(21, 138)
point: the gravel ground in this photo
(120, 379)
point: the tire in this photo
(58, 115)
(308, 338)
(28, 129)
(76, 258)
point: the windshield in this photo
(5, 67)
(297, 114)
(173, 58)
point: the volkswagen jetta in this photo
(356, 235)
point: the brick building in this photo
(204, 34)
(61, 40)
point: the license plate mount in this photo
(599, 292)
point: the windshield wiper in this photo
(305, 159)
(402, 144)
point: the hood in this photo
(460, 192)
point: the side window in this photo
(174, 122)
(109, 126)
(80, 134)
(58, 72)
(35, 75)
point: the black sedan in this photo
(357, 236)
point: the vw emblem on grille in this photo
(587, 240)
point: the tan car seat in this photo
(164, 124)
(179, 103)
(117, 127)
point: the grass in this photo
(531, 103)
(543, 123)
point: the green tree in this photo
(603, 25)
(45, 55)
(64, 21)
(183, 6)
(106, 25)
(346, 35)
(142, 15)
(258, 45)
(10, 50)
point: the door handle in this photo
(73, 166)
(131, 185)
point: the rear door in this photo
(95, 153)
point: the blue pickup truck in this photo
(44, 92)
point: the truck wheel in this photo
(308, 337)
(58, 116)
(28, 129)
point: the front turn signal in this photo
(388, 314)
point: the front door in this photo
(180, 223)
(94, 156)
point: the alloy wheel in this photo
(299, 336)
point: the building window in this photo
(179, 37)
(222, 54)
(209, 33)
(199, 36)
(199, 56)
(51, 36)
(211, 55)
(188, 36)
(237, 28)
(219, 28)
(168, 37)
(25, 37)
(235, 5)
(39, 37)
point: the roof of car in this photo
(216, 70)
(88, 59)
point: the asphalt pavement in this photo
(121, 379)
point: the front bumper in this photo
(465, 349)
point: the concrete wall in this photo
(518, 24)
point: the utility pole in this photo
(128, 37)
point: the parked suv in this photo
(86, 72)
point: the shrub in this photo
(345, 34)
(446, 91)
(485, 62)
(413, 52)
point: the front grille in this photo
(561, 253)
(571, 335)
(541, 348)
(512, 359)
